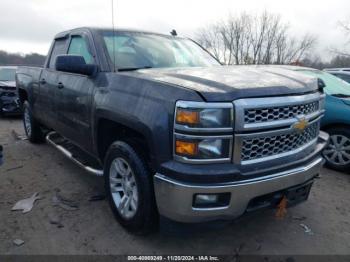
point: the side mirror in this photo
(75, 64)
(321, 85)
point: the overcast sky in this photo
(28, 25)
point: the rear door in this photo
(74, 100)
(46, 106)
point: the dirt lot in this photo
(92, 230)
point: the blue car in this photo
(336, 121)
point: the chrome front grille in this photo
(279, 113)
(270, 145)
(266, 128)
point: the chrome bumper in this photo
(175, 199)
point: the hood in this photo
(8, 83)
(7, 86)
(227, 83)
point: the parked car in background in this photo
(343, 73)
(336, 121)
(9, 102)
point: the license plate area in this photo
(294, 196)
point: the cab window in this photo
(79, 46)
(59, 48)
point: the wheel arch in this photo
(335, 125)
(109, 130)
(22, 95)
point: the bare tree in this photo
(254, 39)
(211, 39)
(345, 26)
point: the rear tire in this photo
(31, 125)
(337, 152)
(129, 187)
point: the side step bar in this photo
(59, 145)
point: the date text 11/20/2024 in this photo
(173, 258)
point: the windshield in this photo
(7, 74)
(143, 50)
(334, 85)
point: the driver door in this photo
(74, 101)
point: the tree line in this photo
(17, 59)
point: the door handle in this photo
(60, 85)
(43, 81)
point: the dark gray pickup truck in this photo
(173, 132)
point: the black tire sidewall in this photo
(146, 217)
(338, 131)
(36, 135)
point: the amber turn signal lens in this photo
(186, 148)
(187, 117)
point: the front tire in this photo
(337, 153)
(129, 187)
(31, 125)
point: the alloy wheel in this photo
(123, 188)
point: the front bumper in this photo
(175, 199)
(9, 103)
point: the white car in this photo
(343, 73)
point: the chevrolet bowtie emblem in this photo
(301, 124)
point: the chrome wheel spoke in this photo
(341, 159)
(116, 189)
(347, 155)
(328, 151)
(122, 203)
(114, 180)
(334, 140)
(347, 148)
(127, 204)
(120, 168)
(133, 204)
(334, 155)
(343, 140)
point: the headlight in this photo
(203, 148)
(192, 124)
(198, 115)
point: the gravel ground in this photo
(91, 229)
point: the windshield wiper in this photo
(341, 95)
(133, 68)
